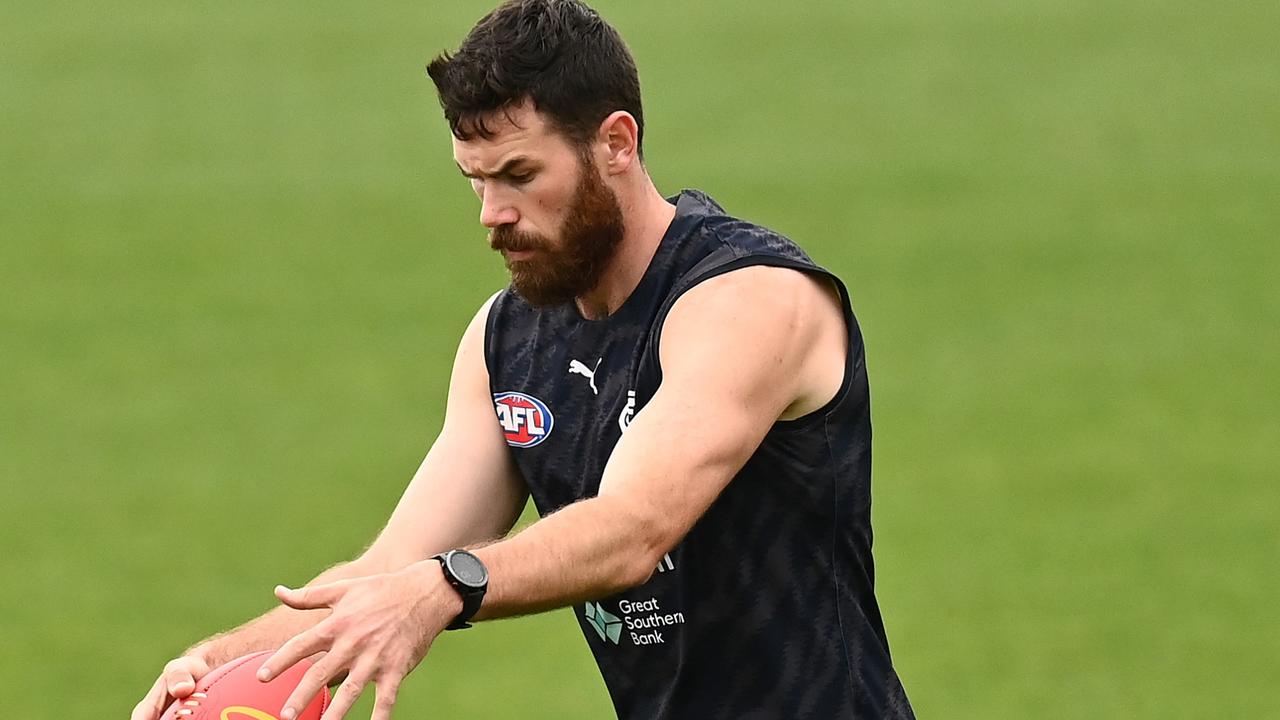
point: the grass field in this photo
(235, 259)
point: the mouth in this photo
(518, 255)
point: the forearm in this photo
(613, 542)
(271, 629)
(588, 550)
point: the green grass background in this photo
(235, 259)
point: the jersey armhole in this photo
(853, 348)
(490, 334)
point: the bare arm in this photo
(466, 490)
(738, 353)
(267, 630)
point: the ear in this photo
(619, 137)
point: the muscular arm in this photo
(738, 353)
(466, 490)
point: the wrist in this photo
(430, 578)
(467, 576)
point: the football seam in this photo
(230, 667)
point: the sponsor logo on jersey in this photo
(577, 367)
(644, 621)
(526, 420)
(607, 625)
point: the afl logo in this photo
(525, 420)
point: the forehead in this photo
(516, 130)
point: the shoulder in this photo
(486, 311)
(471, 349)
(742, 238)
(754, 303)
(752, 284)
(773, 335)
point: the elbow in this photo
(637, 572)
(642, 535)
(651, 540)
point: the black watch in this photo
(469, 577)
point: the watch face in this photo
(468, 569)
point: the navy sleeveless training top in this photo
(766, 609)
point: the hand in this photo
(176, 682)
(380, 629)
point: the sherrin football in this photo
(233, 692)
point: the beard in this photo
(557, 273)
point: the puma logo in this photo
(577, 368)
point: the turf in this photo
(235, 259)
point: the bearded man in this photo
(682, 394)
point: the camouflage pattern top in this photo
(766, 609)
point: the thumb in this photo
(311, 597)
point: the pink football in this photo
(233, 692)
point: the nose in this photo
(496, 209)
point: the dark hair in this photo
(559, 54)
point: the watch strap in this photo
(471, 597)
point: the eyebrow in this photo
(505, 170)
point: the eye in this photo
(521, 178)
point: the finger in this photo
(179, 681)
(387, 688)
(349, 691)
(312, 597)
(153, 703)
(304, 644)
(315, 678)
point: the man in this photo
(683, 395)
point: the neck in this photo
(647, 218)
